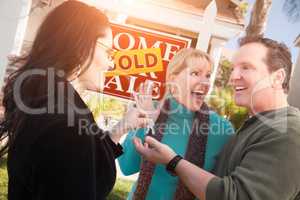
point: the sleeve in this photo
(268, 170)
(130, 160)
(117, 148)
(64, 165)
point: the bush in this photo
(3, 179)
(121, 190)
(221, 99)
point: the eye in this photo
(208, 76)
(245, 67)
(194, 73)
(111, 53)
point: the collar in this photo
(178, 110)
(268, 117)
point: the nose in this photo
(234, 76)
(111, 65)
(204, 80)
(204, 83)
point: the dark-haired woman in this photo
(55, 149)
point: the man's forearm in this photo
(194, 178)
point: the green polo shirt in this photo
(261, 161)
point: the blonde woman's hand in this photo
(133, 119)
(144, 101)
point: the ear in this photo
(171, 84)
(278, 78)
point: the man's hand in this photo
(195, 178)
(154, 151)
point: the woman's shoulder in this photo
(57, 134)
(45, 133)
(55, 127)
(213, 116)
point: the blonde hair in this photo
(183, 59)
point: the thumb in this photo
(138, 144)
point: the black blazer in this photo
(62, 154)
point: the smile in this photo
(198, 93)
(239, 88)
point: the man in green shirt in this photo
(262, 160)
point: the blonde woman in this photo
(185, 123)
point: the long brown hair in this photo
(65, 41)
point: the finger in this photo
(136, 141)
(152, 142)
(141, 114)
(149, 87)
(161, 104)
(139, 146)
(135, 97)
(146, 83)
(143, 122)
(138, 100)
(141, 89)
(146, 145)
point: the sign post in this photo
(206, 29)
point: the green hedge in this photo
(3, 179)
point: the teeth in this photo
(198, 92)
(240, 88)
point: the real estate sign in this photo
(130, 40)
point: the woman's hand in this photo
(132, 120)
(144, 101)
(139, 115)
(154, 151)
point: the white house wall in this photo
(141, 10)
(170, 17)
(294, 94)
(13, 22)
(36, 18)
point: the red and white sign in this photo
(130, 38)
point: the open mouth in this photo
(198, 93)
(240, 88)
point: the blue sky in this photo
(278, 28)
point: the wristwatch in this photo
(170, 167)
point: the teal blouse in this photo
(176, 135)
